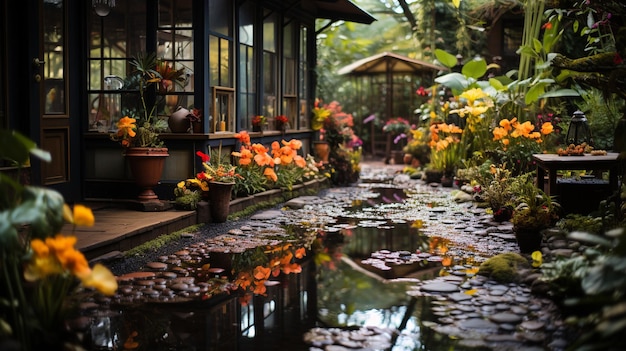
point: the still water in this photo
(341, 286)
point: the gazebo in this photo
(386, 84)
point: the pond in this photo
(356, 287)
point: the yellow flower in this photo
(472, 95)
(537, 258)
(82, 215)
(101, 279)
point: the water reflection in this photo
(339, 286)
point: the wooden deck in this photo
(118, 229)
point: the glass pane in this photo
(290, 76)
(221, 16)
(183, 15)
(246, 23)
(165, 13)
(288, 44)
(54, 57)
(269, 33)
(183, 46)
(214, 61)
(269, 73)
(246, 67)
(225, 76)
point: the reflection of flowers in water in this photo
(328, 248)
(255, 267)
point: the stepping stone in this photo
(440, 287)
(457, 297)
(505, 317)
(478, 324)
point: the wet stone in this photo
(440, 287)
(478, 323)
(505, 317)
(532, 325)
(459, 297)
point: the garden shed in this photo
(386, 85)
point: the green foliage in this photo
(574, 221)
(252, 180)
(503, 267)
(593, 287)
(603, 114)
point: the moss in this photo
(503, 267)
(161, 241)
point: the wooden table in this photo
(551, 163)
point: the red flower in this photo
(617, 59)
(201, 176)
(282, 119)
(548, 25)
(203, 156)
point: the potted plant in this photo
(282, 122)
(139, 135)
(534, 212)
(258, 122)
(446, 151)
(220, 175)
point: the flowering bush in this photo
(517, 142)
(446, 148)
(39, 266)
(290, 167)
(398, 127)
(255, 165)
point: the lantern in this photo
(578, 131)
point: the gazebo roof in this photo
(342, 10)
(387, 61)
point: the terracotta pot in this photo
(146, 166)
(322, 150)
(219, 201)
(528, 240)
(408, 158)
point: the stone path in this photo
(478, 311)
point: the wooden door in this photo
(51, 81)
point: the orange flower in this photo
(292, 268)
(261, 273)
(244, 280)
(243, 137)
(300, 161)
(245, 156)
(294, 144)
(259, 148)
(270, 174)
(300, 252)
(264, 160)
(260, 289)
(547, 128)
(499, 133)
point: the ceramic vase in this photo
(219, 200)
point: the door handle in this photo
(37, 62)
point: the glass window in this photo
(246, 101)
(270, 71)
(303, 80)
(114, 39)
(221, 17)
(54, 59)
(174, 49)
